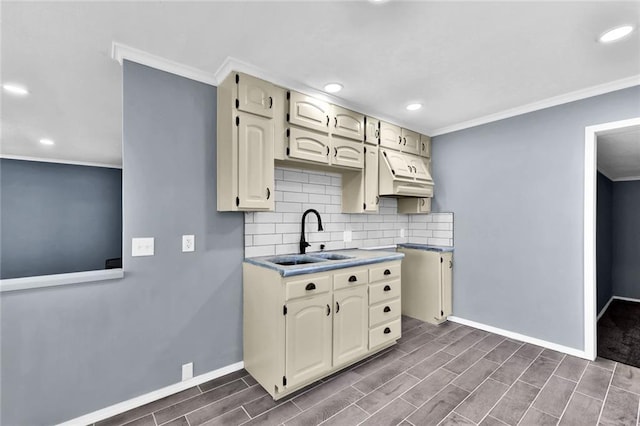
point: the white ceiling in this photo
(619, 154)
(462, 60)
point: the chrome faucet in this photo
(303, 242)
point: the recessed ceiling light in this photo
(333, 87)
(413, 107)
(615, 34)
(15, 89)
(47, 142)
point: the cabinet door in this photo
(398, 163)
(308, 146)
(255, 162)
(424, 205)
(350, 324)
(308, 112)
(254, 95)
(425, 146)
(447, 284)
(372, 131)
(308, 338)
(410, 142)
(390, 135)
(371, 198)
(347, 123)
(420, 167)
(347, 153)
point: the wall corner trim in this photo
(517, 336)
(588, 92)
(120, 52)
(141, 400)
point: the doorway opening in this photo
(612, 241)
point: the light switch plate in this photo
(348, 235)
(188, 243)
(401, 232)
(142, 246)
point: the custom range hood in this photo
(405, 175)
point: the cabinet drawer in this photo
(384, 272)
(308, 287)
(384, 312)
(385, 333)
(384, 291)
(350, 278)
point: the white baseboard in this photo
(517, 336)
(141, 400)
(628, 299)
(601, 313)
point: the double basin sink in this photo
(302, 259)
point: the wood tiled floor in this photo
(447, 375)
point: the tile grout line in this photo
(638, 417)
(488, 378)
(625, 390)
(542, 388)
(574, 392)
(604, 400)
(513, 384)
(461, 373)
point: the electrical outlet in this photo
(401, 232)
(142, 246)
(188, 243)
(348, 235)
(187, 371)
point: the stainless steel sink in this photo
(294, 259)
(331, 256)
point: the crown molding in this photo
(545, 103)
(58, 161)
(120, 52)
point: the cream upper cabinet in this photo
(308, 146)
(245, 144)
(420, 168)
(347, 123)
(350, 324)
(414, 205)
(390, 135)
(400, 167)
(410, 142)
(308, 326)
(255, 162)
(372, 131)
(371, 198)
(347, 153)
(309, 112)
(425, 146)
(254, 95)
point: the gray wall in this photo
(604, 236)
(626, 239)
(58, 218)
(67, 351)
(516, 189)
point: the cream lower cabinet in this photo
(427, 285)
(299, 329)
(308, 336)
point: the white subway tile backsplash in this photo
(271, 233)
(295, 197)
(259, 228)
(267, 239)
